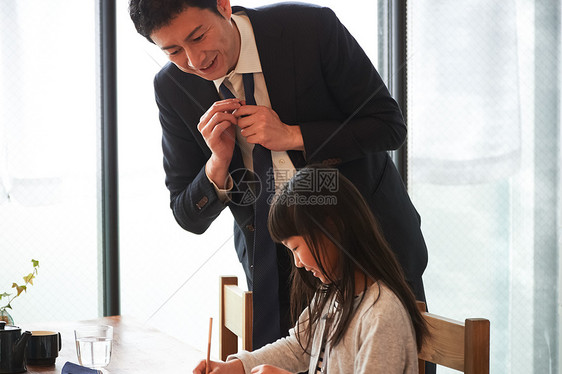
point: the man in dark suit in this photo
(319, 100)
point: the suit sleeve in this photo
(369, 118)
(193, 198)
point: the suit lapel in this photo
(277, 62)
(277, 59)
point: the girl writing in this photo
(359, 314)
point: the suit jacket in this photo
(319, 78)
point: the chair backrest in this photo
(235, 317)
(456, 345)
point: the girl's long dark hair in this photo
(321, 204)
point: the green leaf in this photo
(29, 278)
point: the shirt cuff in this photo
(222, 194)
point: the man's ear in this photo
(224, 8)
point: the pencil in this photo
(208, 363)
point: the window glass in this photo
(48, 158)
(484, 168)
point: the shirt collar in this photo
(249, 59)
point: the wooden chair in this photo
(456, 345)
(235, 317)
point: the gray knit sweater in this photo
(379, 339)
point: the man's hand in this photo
(268, 369)
(216, 126)
(261, 125)
(219, 367)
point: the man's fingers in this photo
(206, 127)
(222, 127)
(244, 122)
(254, 139)
(246, 110)
(228, 105)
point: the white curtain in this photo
(484, 168)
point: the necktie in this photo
(265, 276)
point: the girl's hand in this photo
(219, 367)
(268, 369)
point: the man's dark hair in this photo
(150, 15)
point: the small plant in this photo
(28, 279)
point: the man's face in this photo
(201, 42)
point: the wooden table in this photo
(137, 348)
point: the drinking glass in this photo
(93, 345)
